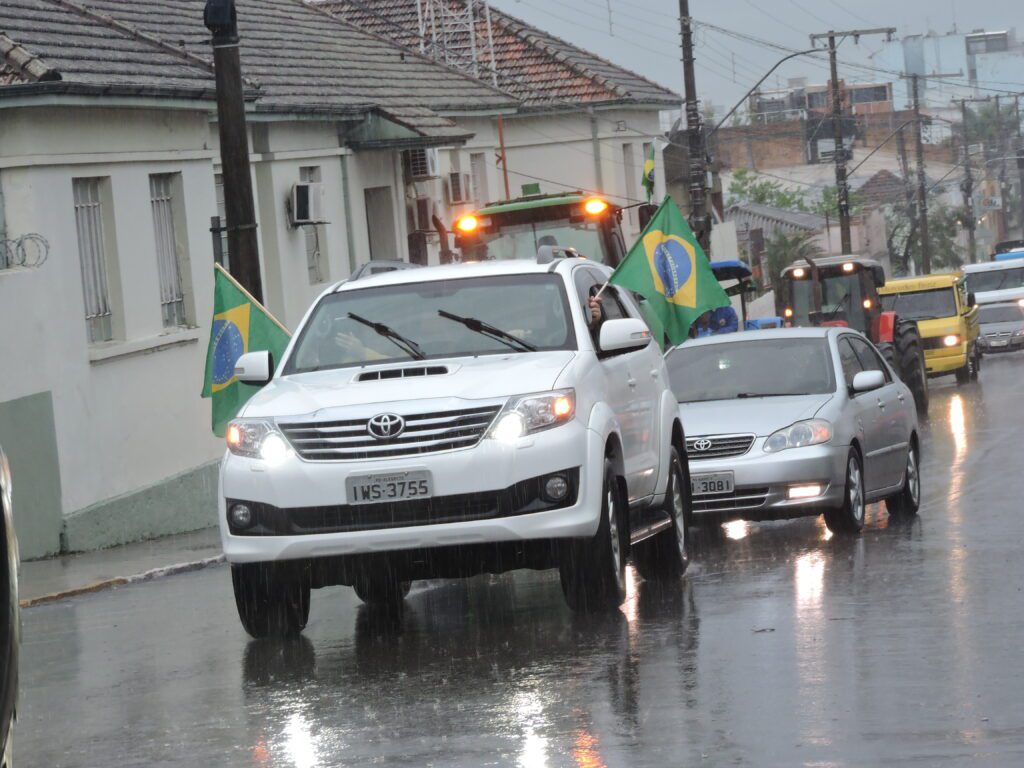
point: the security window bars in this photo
(315, 234)
(92, 257)
(218, 184)
(172, 298)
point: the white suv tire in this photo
(272, 598)
(666, 556)
(593, 571)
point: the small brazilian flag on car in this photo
(668, 267)
(240, 324)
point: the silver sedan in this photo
(793, 422)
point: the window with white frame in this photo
(92, 257)
(315, 235)
(478, 169)
(218, 184)
(168, 262)
(632, 179)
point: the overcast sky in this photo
(644, 33)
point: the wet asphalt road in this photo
(783, 647)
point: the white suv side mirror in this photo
(255, 368)
(624, 335)
(866, 381)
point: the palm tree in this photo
(783, 249)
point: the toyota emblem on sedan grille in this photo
(385, 426)
(702, 445)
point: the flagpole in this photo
(249, 296)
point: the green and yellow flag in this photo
(647, 181)
(668, 268)
(240, 324)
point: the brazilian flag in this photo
(240, 324)
(668, 268)
(647, 181)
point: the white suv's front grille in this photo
(423, 433)
(717, 446)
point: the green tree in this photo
(904, 243)
(783, 249)
(985, 127)
(747, 186)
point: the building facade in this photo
(109, 198)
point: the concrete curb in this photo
(119, 581)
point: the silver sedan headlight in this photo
(799, 435)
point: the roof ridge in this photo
(530, 34)
(25, 62)
(319, 7)
(138, 34)
(583, 70)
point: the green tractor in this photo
(588, 224)
(843, 291)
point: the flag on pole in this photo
(240, 324)
(647, 181)
(668, 267)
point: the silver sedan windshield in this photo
(769, 367)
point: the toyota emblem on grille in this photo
(385, 426)
(702, 445)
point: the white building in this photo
(109, 154)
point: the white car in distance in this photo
(449, 421)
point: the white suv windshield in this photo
(430, 320)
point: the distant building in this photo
(799, 100)
(982, 59)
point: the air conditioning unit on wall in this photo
(307, 203)
(458, 188)
(420, 163)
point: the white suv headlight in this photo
(803, 433)
(257, 439)
(526, 414)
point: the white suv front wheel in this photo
(666, 556)
(272, 598)
(593, 571)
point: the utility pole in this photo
(922, 180)
(700, 221)
(839, 153)
(239, 209)
(1020, 162)
(968, 187)
(1001, 145)
(908, 189)
(922, 184)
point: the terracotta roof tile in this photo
(539, 69)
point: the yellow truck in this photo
(947, 319)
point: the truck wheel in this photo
(975, 363)
(963, 375)
(849, 518)
(907, 501)
(593, 571)
(905, 354)
(272, 598)
(666, 556)
(381, 588)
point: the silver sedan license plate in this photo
(1000, 343)
(715, 482)
(392, 486)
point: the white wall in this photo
(127, 420)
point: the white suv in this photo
(451, 421)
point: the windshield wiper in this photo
(409, 346)
(745, 395)
(479, 326)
